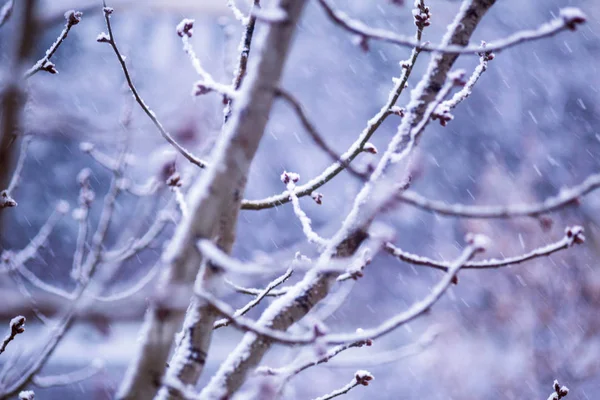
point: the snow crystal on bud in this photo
(399, 111)
(102, 38)
(62, 207)
(185, 27)
(27, 395)
(363, 377)
(572, 17)
(108, 10)
(73, 17)
(479, 241)
(575, 233)
(370, 148)
(287, 177)
(317, 197)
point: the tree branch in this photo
(568, 19)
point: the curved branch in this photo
(564, 198)
(573, 235)
(568, 19)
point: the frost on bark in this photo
(213, 202)
(293, 306)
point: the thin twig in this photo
(566, 197)
(573, 235)
(360, 378)
(73, 18)
(111, 40)
(568, 19)
(416, 310)
(242, 311)
(244, 49)
(16, 327)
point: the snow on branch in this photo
(559, 393)
(244, 52)
(255, 291)
(442, 112)
(294, 369)
(16, 326)
(360, 378)
(569, 19)
(185, 30)
(355, 149)
(44, 64)
(290, 179)
(242, 311)
(104, 38)
(573, 235)
(476, 243)
(213, 204)
(565, 197)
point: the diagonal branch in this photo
(111, 40)
(44, 63)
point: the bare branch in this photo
(16, 327)
(573, 235)
(44, 64)
(568, 19)
(360, 378)
(242, 311)
(111, 40)
(566, 197)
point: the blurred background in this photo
(529, 129)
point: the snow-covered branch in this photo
(254, 302)
(569, 19)
(360, 378)
(356, 148)
(44, 64)
(15, 327)
(573, 235)
(213, 201)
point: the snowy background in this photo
(530, 128)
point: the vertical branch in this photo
(214, 203)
